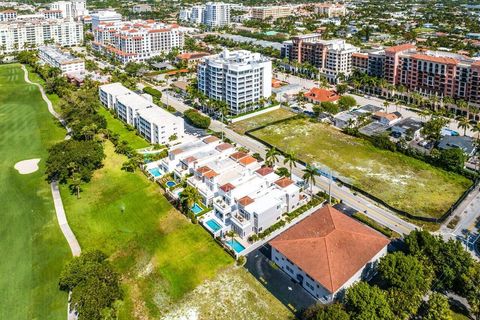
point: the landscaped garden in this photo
(33, 249)
(261, 120)
(160, 254)
(403, 182)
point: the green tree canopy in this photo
(438, 308)
(95, 286)
(365, 302)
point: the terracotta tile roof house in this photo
(330, 248)
(284, 182)
(210, 174)
(203, 169)
(245, 161)
(190, 159)
(192, 55)
(224, 146)
(263, 171)
(321, 95)
(245, 201)
(210, 139)
(227, 187)
(238, 155)
(400, 48)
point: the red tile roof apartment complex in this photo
(137, 40)
(433, 72)
(327, 251)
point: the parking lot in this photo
(277, 282)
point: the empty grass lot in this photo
(160, 254)
(403, 182)
(32, 247)
(261, 120)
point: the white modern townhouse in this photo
(153, 123)
(245, 196)
(55, 57)
(240, 78)
(35, 31)
(137, 40)
(327, 252)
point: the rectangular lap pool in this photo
(156, 172)
(235, 245)
(212, 224)
(196, 209)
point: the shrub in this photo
(195, 118)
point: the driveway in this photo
(290, 293)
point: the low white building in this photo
(156, 125)
(108, 93)
(328, 252)
(159, 126)
(55, 57)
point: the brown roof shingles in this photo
(330, 246)
(227, 187)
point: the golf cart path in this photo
(57, 198)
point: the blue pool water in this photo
(156, 172)
(235, 245)
(170, 184)
(196, 209)
(213, 225)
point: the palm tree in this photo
(309, 174)
(271, 157)
(386, 104)
(463, 123)
(189, 197)
(291, 160)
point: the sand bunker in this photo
(27, 166)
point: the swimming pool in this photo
(196, 209)
(212, 224)
(156, 172)
(235, 245)
(170, 184)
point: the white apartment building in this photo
(52, 14)
(217, 14)
(104, 17)
(8, 15)
(338, 60)
(212, 14)
(62, 60)
(158, 126)
(31, 33)
(108, 93)
(331, 9)
(240, 78)
(152, 122)
(136, 40)
(70, 9)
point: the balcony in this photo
(240, 221)
(220, 205)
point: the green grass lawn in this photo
(32, 246)
(261, 120)
(118, 126)
(54, 98)
(404, 182)
(160, 254)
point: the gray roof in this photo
(409, 123)
(460, 142)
